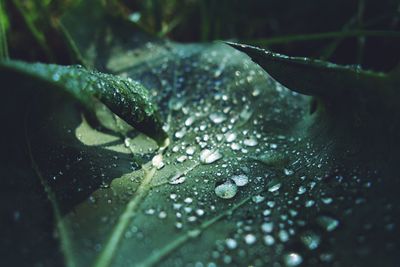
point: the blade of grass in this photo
(3, 36)
(36, 33)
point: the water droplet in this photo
(310, 239)
(56, 77)
(283, 235)
(256, 92)
(292, 259)
(189, 121)
(180, 134)
(267, 227)
(208, 156)
(271, 204)
(127, 142)
(190, 150)
(217, 118)
(301, 190)
(104, 185)
(274, 187)
(200, 212)
(177, 206)
(288, 172)
(250, 142)
(157, 161)
(162, 215)
(176, 104)
(328, 223)
(150, 211)
(188, 200)
(230, 137)
(177, 179)
(226, 190)
(240, 180)
(327, 200)
(231, 243)
(246, 114)
(309, 203)
(194, 233)
(250, 239)
(178, 225)
(181, 159)
(269, 240)
(235, 146)
(257, 198)
(266, 212)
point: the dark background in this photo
(351, 24)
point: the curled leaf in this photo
(316, 77)
(125, 97)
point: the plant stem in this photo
(107, 254)
(320, 36)
(158, 255)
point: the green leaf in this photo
(251, 176)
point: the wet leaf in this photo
(312, 178)
(127, 98)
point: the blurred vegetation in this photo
(347, 32)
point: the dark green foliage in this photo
(297, 171)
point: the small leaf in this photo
(125, 97)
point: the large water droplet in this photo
(230, 137)
(231, 243)
(217, 118)
(267, 227)
(189, 121)
(190, 150)
(208, 156)
(240, 180)
(283, 235)
(250, 239)
(292, 259)
(181, 159)
(274, 187)
(250, 142)
(157, 161)
(269, 240)
(180, 134)
(177, 179)
(226, 190)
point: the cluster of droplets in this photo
(228, 129)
